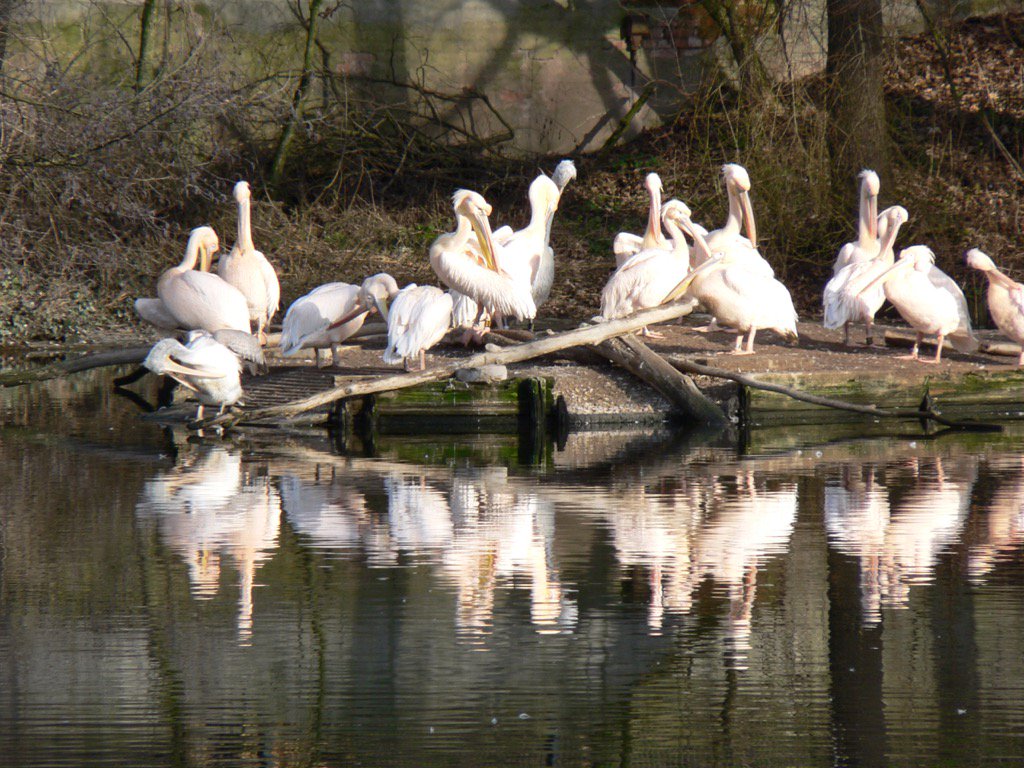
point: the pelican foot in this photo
(649, 334)
(741, 352)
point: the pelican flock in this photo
(496, 277)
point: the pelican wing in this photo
(205, 300)
(244, 345)
(154, 312)
(963, 338)
(497, 293)
(273, 285)
(769, 300)
(419, 318)
(625, 245)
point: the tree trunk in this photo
(145, 43)
(856, 102)
(299, 97)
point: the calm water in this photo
(633, 600)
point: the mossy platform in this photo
(583, 391)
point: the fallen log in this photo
(688, 366)
(585, 336)
(999, 348)
(650, 367)
(124, 356)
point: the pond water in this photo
(629, 600)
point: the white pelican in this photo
(419, 317)
(544, 276)
(740, 298)
(1005, 299)
(928, 299)
(644, 279)
(202, 365)
(526, 250)
(308, 322)
(844, 300)
(194, 298)
(522, 252)
(866, 247)
(480, 279)
(626, 244)
(249, 271)
(728, 239)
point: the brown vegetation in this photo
(101, 182)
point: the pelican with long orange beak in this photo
(190, 298)
(866, 247)
(476, 274)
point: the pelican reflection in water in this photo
(898, 538)
(207, 511)
(745, 528)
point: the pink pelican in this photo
(928, 299)
(309, 322)
(479, 277)
(190, 298)
(1005, 299)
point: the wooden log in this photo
(125, 356)
(1000, 348)
(922, 412)
(650, 367)
(586, 335)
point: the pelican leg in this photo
(869, 329)
(709, 328)
(913, 352)
(750, 343)
(423, 359)
(336, 355)
(1020, 360)
(938, 350)
(846, 333)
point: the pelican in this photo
(494, 290)
(202, 365)
(644, 279)
(373, 296)
(740, 298)
(195, 299)
(527, 251)
(249, 271)
(308, 322)
(544, 276)
(866, 247)
(728, 239)
(522, 253)
(928, 299)
(844, 300)
(626, 245)
(419, 317)
(1005, 299)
